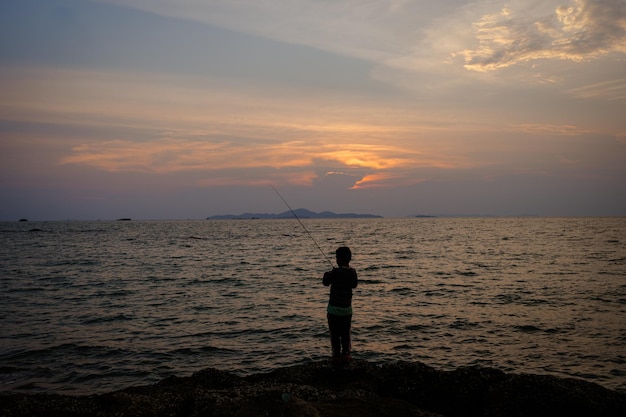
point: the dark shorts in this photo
(339, 327)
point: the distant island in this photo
(301, 213)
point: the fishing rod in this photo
(302, 224)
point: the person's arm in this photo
(327, 278)
(355, 280)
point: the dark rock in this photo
(319, 389)
(380, 407)
(276, 404)
(543, 395)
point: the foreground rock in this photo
(318, 389)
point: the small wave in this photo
(466, 273)
(463, 324)
(370, 281)
(605, 300)
(417, 327)
(527, 329)
(535, 301)
(553, 331)
(198, 308)
(25, 290)
(444, 293)
(223, 280)
(507, 298)
(18, 378)
(390, 266)
(62, 350)
(111, 294)
(106, 319)
(402, 347)
(454, 285)
(71, 262)
(373, 328)
(199, 350)
(403, 290)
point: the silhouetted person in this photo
(341, 280)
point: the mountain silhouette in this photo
(302, 213)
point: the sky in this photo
(184, 109)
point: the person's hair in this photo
(344, 253)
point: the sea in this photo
(88, 307)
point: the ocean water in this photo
(90, 307)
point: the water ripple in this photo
(95, 306)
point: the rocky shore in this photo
(320, 389)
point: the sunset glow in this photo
(503, 108)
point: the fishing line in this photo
(302, 224)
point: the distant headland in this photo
(301, 213)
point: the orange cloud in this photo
(172, 155)
(369, 156)
(161, 156)
(388, 179)
(162, 125)
(379, 179)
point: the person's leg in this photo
(334, 326)
(346, 342)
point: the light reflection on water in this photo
(95, 306)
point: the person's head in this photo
(344, 255)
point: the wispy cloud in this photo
(422, 47)
(369, 30)
(577, 31)
(379, 30)
(551, 130)
(614, 90)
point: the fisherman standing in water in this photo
(341, 280)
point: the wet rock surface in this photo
(319, 389)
